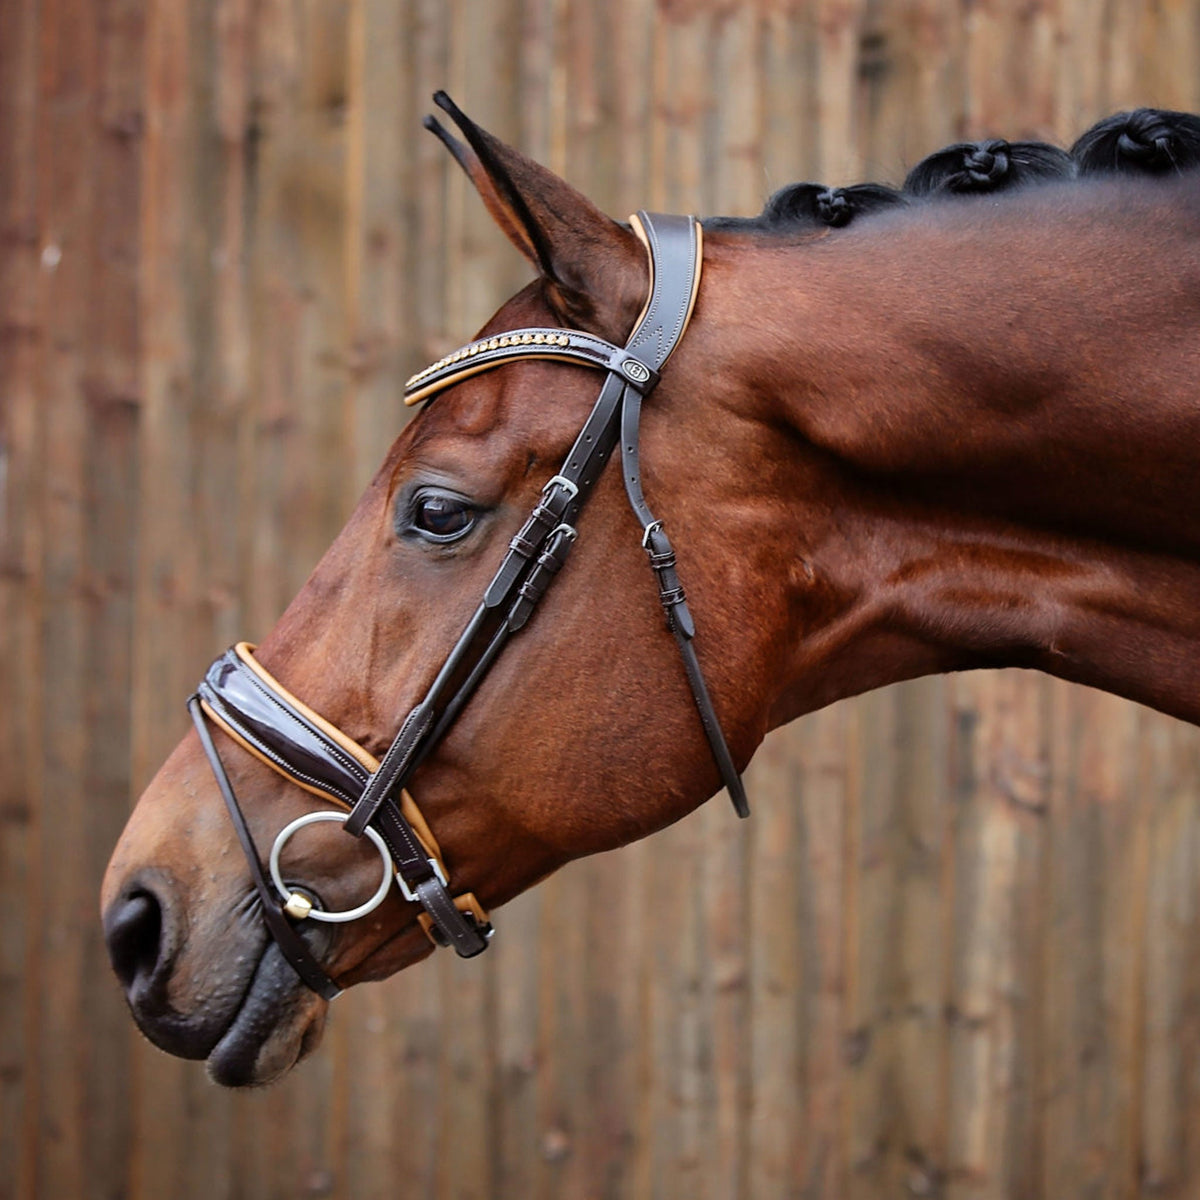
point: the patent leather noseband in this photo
(239, 696)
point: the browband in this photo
(638, 363)
(561, 344)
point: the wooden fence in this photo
(955, 954)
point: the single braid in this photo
(992, 165)
(834, 208)
(1147, 140)
(814, 203)
(985, 165)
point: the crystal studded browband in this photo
(570, 345)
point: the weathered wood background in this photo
(955, 954)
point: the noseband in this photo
(246, 702)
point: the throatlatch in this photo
(245, 701)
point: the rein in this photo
(247, 703)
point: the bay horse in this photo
(946, 426)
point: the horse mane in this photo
(1144, 141)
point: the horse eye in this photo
(442, 518)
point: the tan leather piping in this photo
(636, 223)
(477, 369)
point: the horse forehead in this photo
(525, 405)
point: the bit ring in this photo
(320, 914)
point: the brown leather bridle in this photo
(243, 699)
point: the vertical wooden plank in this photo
(484, 269)
(924, 848)
(1169, 762)
(369, 1053)
(871, 934)
(778, 928)
(776, 981)
(1152, 51)
(65, 164)
(824, 1165)
(113, 413)
(1083, 86)
(170, 572)
(565, 1105)
(23, 335)
(382, 122)
(518, 1051)
(409, 1051)
(595, 1127)
(300, 245)
(991, 58)
(790, 144)
(993, 1014)
(886, 86)
(839, 24)
(674, 1015)
(1094, 940)
(938, 95)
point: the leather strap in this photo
(291, 945)
(674, 602)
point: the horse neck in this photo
(995, 412)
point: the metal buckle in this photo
(409, 894)
(653, 527)
(562, 480)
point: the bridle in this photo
(247, 703)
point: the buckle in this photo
(409, 893)
(562, 481)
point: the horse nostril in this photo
(133, 930)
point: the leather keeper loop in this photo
(470, 907)
(522, 546)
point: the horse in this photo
(901, 431)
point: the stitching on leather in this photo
(284, 766)
(334, 749)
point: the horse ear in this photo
(595, 270)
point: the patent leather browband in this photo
(241, 697)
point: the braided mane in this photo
(1145, 141)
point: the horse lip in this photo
(258, 1044)
(225, 991)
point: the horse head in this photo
(579, 738)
